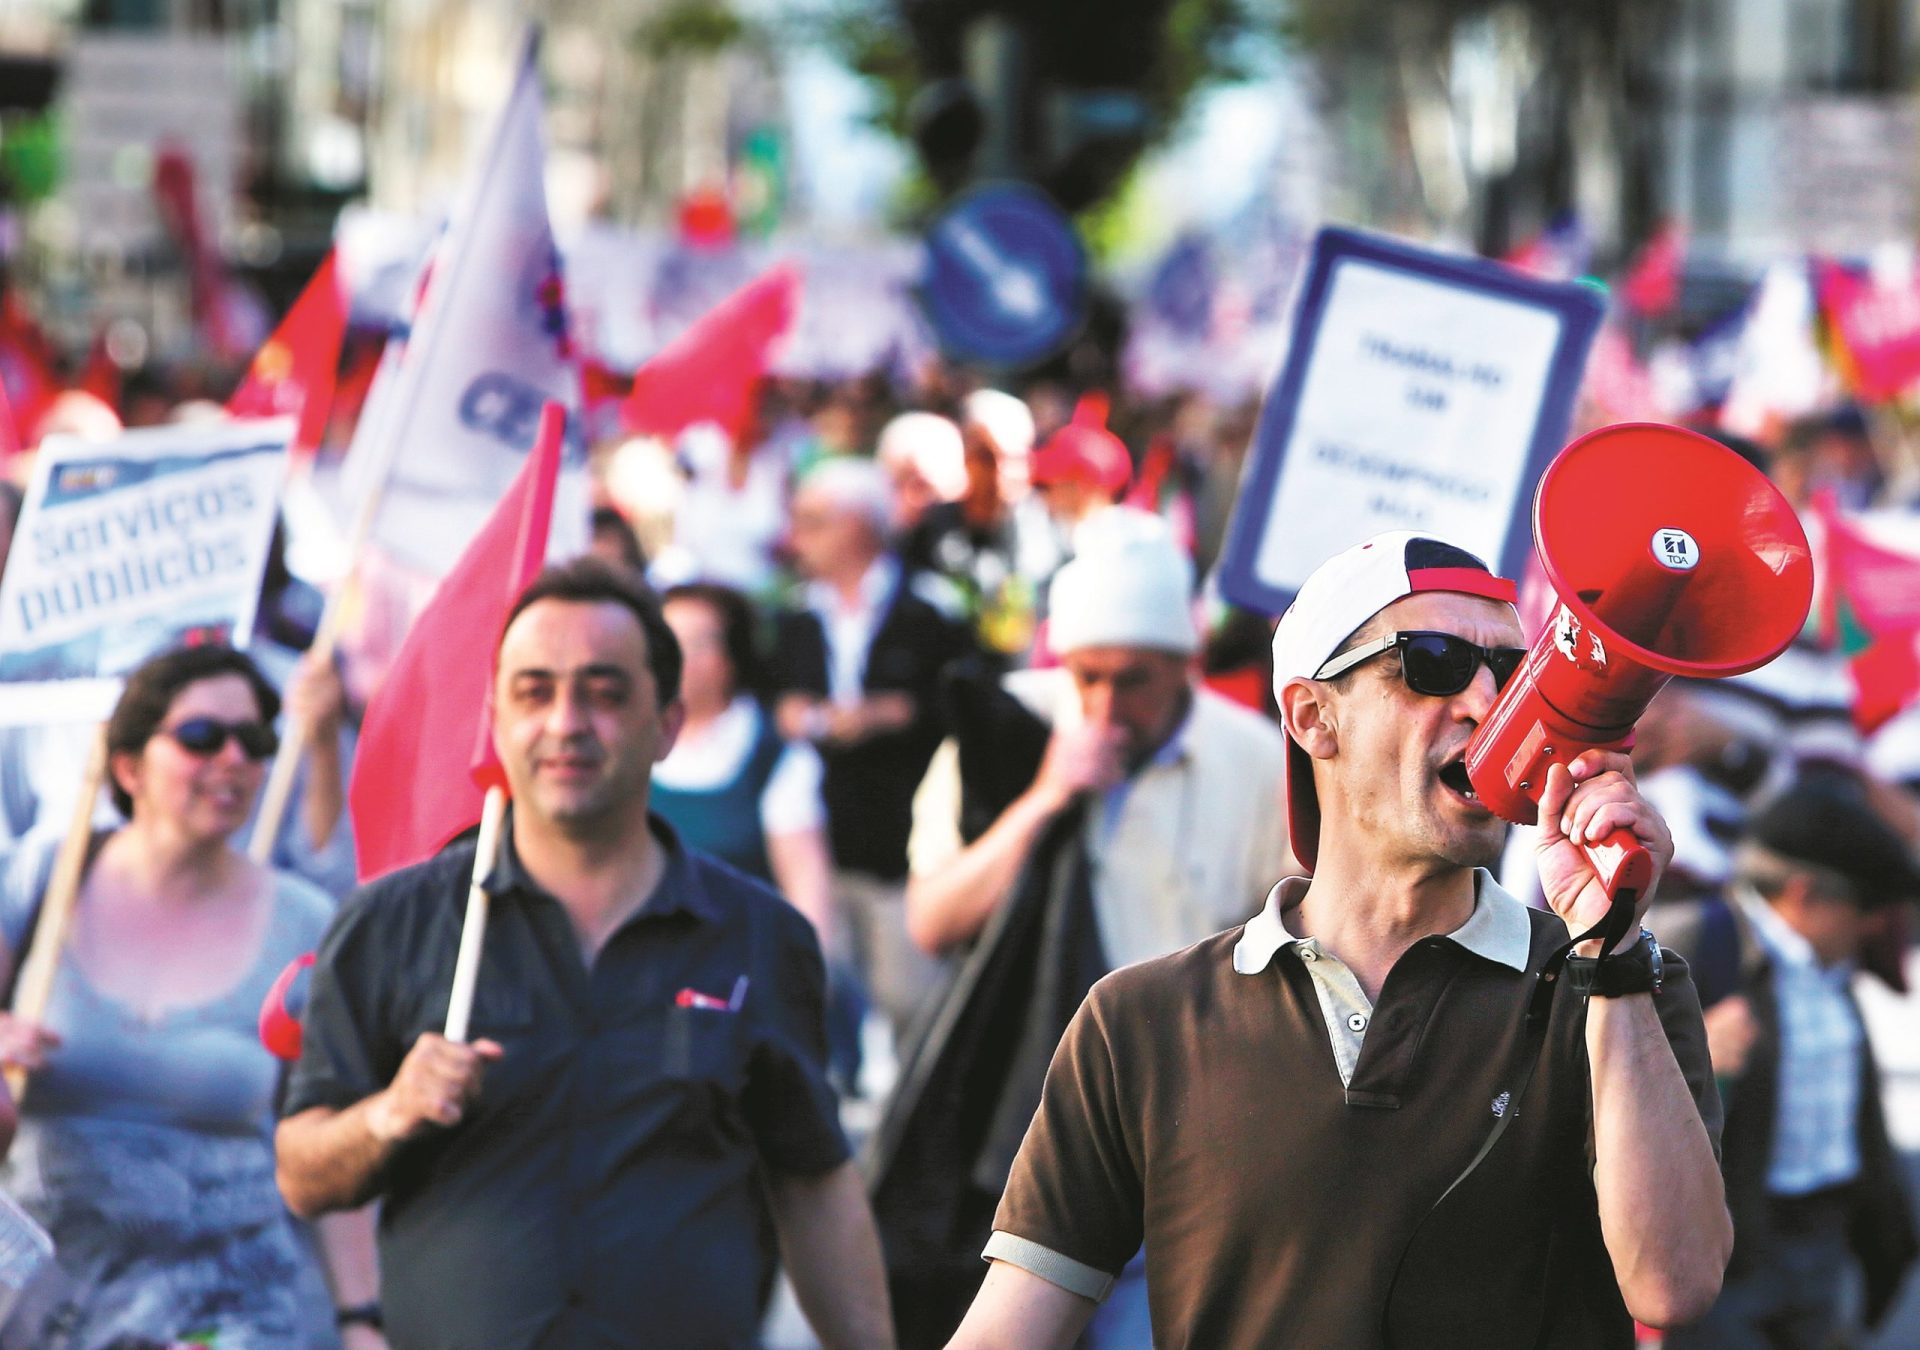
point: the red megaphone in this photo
(1670, 555)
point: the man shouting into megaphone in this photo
(1383, 1112)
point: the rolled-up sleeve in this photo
(789, 1103)
(1071, 1213)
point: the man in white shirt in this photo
(1186, 832)
(1155, 819)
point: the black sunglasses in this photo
(207, 736)
(1440, 664)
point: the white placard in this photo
(1417, 412)
(128, 547)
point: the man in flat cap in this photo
(1812, 1179)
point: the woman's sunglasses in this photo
(1439, 664)
(207, 736)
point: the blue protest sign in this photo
(1005, 277)
(1421, 391)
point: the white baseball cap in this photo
(1342, 594)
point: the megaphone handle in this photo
(1621, 863)
(1625, 869)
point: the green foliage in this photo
(692, 28)
(871, 40)
(1202, 42)
(30, 157)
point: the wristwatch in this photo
(1639, 969)
(360, 1314)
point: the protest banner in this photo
(1421, 391)
(127, 547)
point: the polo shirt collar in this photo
(1498, 930)
(680, 890)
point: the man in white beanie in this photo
(1389, 1111)
(1154, 819)
(1188, 835)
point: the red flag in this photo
(1652, 284)
(26, 367)
(9, 433)
(1870, 610)
(1886, 678)
(101, 374)
(294, 371)
(1871, 588)
(425, 754)
(1877, 328)
(710, 372)
(176, 197)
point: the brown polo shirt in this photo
(1283, 1196)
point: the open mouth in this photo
(1453, 775)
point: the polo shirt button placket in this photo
(1309, 955)
(1357, 1022)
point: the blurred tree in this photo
(1067, 94)
(1511, 112)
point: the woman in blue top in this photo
(145, 1138)
(732, 786)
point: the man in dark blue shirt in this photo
(645, 1087)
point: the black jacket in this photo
(869, 786)
(1880, 1226)
(972, 1077)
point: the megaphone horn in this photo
(1670, 555)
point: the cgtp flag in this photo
(293, 373)
(1878, 327)
(710, 372)
(425, 753)
(489, 348)
(1870, 609)
(1651, 286)
(26, 368)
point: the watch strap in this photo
(1640, 969)
(360, 1314)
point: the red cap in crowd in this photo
(1084, 451)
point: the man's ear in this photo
(673, 717)
(1307, 709)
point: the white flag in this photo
(449, 425)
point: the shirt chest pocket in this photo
(701, 1056)
(702, 1045)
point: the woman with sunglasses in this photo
(145, 1138)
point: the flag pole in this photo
(326, 641)
(34, 989)
(377, 419)
(473, 933)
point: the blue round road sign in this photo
(1005, 278)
